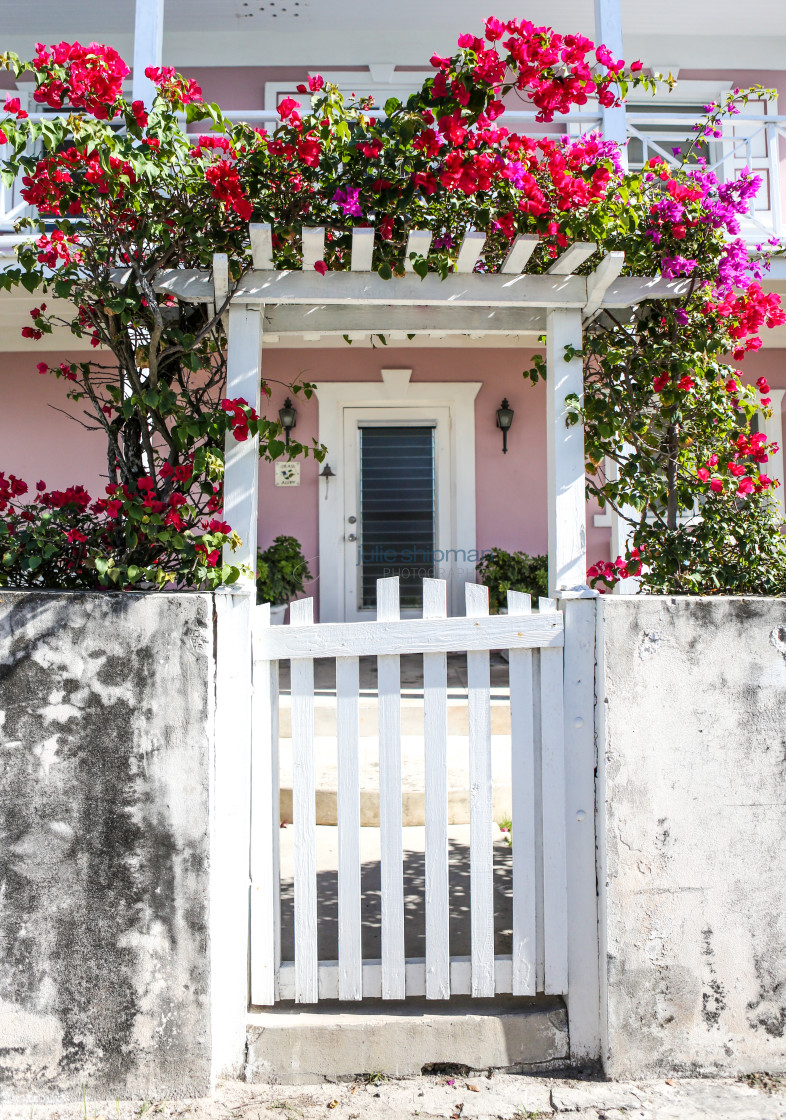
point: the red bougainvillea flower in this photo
(13, 107)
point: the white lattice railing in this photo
(748, 140)
(539, 958)
(751, 140)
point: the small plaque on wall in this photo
(287, 474)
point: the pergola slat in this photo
(261, 236)
(599, 281)
(220, 278)
(573, 257)
(362, 249)
(520, 252)
(469, 253)
(313, 246)
(418, 241)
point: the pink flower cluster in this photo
(172, 86)
(553, 70)
(242, 413)
(89, 78)
(611, 573)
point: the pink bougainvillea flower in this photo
(14, 106)
(320, 267)
(717, 485)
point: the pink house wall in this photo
(510, 489)
(36, 440)
(39, 442)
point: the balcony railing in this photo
(749, 140)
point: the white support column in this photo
(565, 456)
(148, 47)
(230, 833)
(241, 470)
(608, 30)
(583, 995)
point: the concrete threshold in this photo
(294, 1045)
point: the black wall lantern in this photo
(288, 417)
(505, 422)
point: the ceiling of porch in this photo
(323, 33)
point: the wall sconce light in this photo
(327, 473)
(288, 417)
(505, 422)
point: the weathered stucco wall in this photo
(692, 812)
(105, 756)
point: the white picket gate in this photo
(539, 959)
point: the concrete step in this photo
(412, 778)
(291, 1046)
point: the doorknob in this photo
(351, 537)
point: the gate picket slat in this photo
(263, 825)
(350, 962)
(390, 817)
(523, 800)
(435, 688)
(555, 893)
(481, 809)
(304, 816)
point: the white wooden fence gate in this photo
(539, 959)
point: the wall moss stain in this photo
(104, 924)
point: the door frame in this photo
(395, 391)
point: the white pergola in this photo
(295, 303)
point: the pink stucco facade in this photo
(38, 441)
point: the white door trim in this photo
(395, 390)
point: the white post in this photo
(244, 351)
(608, 30)
(565, 455)
(148, 47)
(232, 792)
(583, 995)
(230, 834)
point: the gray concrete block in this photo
(105, 742)
(692, 821)
(295, 1047)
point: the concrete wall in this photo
(106, 711)
(692, 806)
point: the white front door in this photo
(399, 498)
(397, 503)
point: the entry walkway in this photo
(453, 1094)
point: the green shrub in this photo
(282, 570)
(502, 571)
